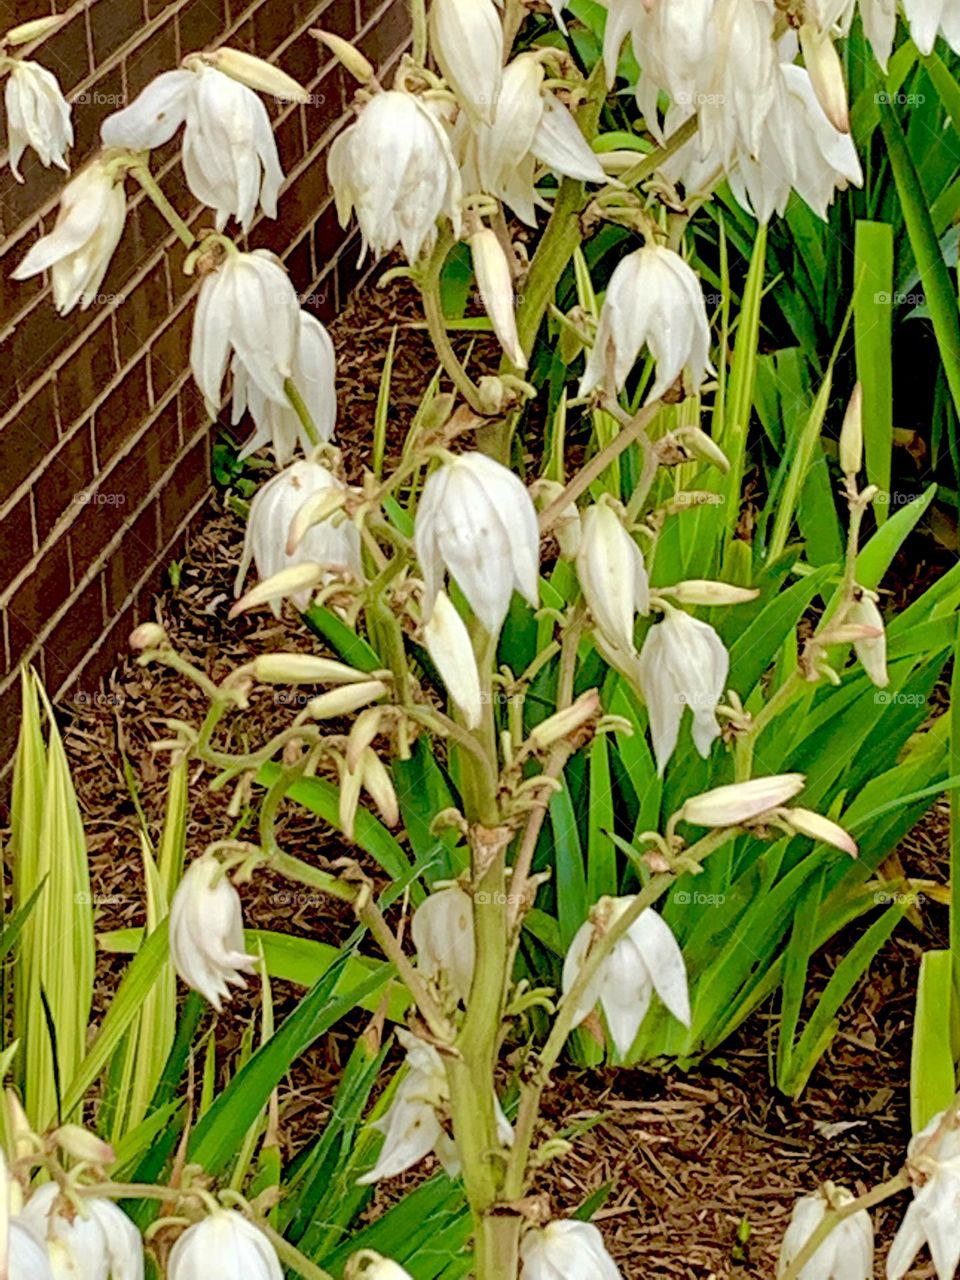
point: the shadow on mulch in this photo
(704, 1166)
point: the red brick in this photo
(38, 339)
(138, 547)
(388, 35)
(66, 51)
(328, 103)
(141, 311)
(99, 518)
(89, 370)
(71, 637)
(189, 483)
(338, 16)
(16, 540)
(16, 295)
(37, 599)
(27, 439)
(147, 60)
(170, 352)
(117, 418)
(91, 108)
(200, 24)
(69, 473)
(112, 25)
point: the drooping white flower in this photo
(38, 116)
(646, 960)
(394, 166)
(612, 575)
(206, 932)
(740, 83)
(442, 930)
(230, 155)
(247, 306)
(674, 45)
(495, 283)
(466, 38)
(846, 1254)
(313, 373)
(927, 18)
(800, 150)
(872, 649)
(879, 18)
(683, 663)
(934, 1212)
(411, 1126)
(531, 127)
(26, 1257)
(100, 1243)
(448, 642)
(224, 1244)
(477, 520)
(332, 544)
(738, 802)
(90, 221)
(653, 299)
(566, 1249)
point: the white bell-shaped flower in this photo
(683, 663)
(313, 374)
(230, 155)
(448, 642)
(38, 116)
(928, 18)
(78, 251)
(871, 650)
(249, 307)
(466, 38)
(100, 1243)
(396, 168)
(225, 1244)
(442, 930)
(206, 932)
(846, 1254)
(612, 575)
(653, 300)
(879, 18)
(674, 44)
(646, 960)
(26, 1257)
(333, 544)
(934, 1212)
(566, 1249)
(477, 520)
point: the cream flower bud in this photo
(100, 1241)
(851, 434)
(871, 649)
(328, 548)
(396, 168)
(78, 251)
(821, 829)
(706, 449)
(257, 74)
(448, 642)
(931, 1217)
(740, 802)
(705, 592)
(646, 960)
(826, 75)
(83, 1145)
(567, 722)
(846, 1254)
(27, 32)
(149, 635)
(477, 520)
(683, 663)
(566, 1249)
(495, 283)
(612, 575)
(206, 932)
(343, 701)
(653, 300)
(348, 54)
(226, 1243)
(466, 38)
(18, 1128)
(442, 929)
(304, 668)
(38, 116)
(378, 784)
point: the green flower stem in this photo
(303, 413)
(291, 1256)
(152, 190)
(369, 913)
(532, 1091)
(437, 324)
(316, 878)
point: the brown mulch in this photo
(705, 1165)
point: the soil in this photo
(705, 1166)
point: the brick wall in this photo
(104, 444)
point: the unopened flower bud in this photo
(363, 732)
(304, 668)
(851, 434)
(379, 787)
(341, 702)
(826, 75)
(442, 929)
(348, 54)
(741, 801)
(704, 592)
(872, 649)
(706, 449)
(27, 32)
(494, 394)
(149, 635)
(257, 74)
(495, 283)
(296, 580)
(814, 825)
(81, 1144)
(25, 1141)
(568, 722)
(448, 642)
